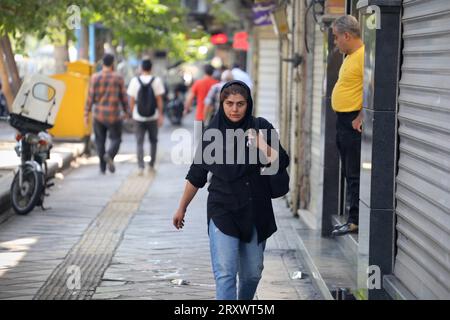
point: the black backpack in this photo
(146, 100)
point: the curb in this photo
(5, 181)
(312, 269)
(53, 168)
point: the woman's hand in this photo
(261, 144)
(178, 218)
(160, 120)
(188, 195)
(257, 140)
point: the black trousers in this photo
(141, 128)
(101, 131)
(348, 142)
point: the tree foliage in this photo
(144, 24)
(29, 16)
(141, 24)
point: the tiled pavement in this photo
(32, 246)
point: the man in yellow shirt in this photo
(347, 101)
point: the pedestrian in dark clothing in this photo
(239, 208)
(149, 123)
(107, 92)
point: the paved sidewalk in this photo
(33, 247)
(123, 242)
(153, 255)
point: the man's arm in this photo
(124, 98)
(188, 102)
(131, 92)
(190, 98)
(207, 110)
(132, 104)
(160, 104)
(209, 101)
(89, 102)
(358, 121)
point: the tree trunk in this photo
(11, 64)
(84, 54)
(61, 55)
(6, 86)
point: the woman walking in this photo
(239, 208)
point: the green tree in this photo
(144, 24)
(18, 18)
(141, 24)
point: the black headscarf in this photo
(225, 171)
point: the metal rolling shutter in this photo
(268, 102)
(422, 263)
(318, 76)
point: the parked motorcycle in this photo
(31, 179)
(175, 110)
(33, 113)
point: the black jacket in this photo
(238, 206)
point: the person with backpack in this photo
(146, 99)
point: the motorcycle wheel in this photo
(24, 199)
(174, 119)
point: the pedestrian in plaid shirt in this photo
(108, 94)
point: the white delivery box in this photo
(37, 103)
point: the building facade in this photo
(402, 250)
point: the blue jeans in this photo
(232, 257)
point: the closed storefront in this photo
(313, 214)
(422, 262)
(268, 75)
